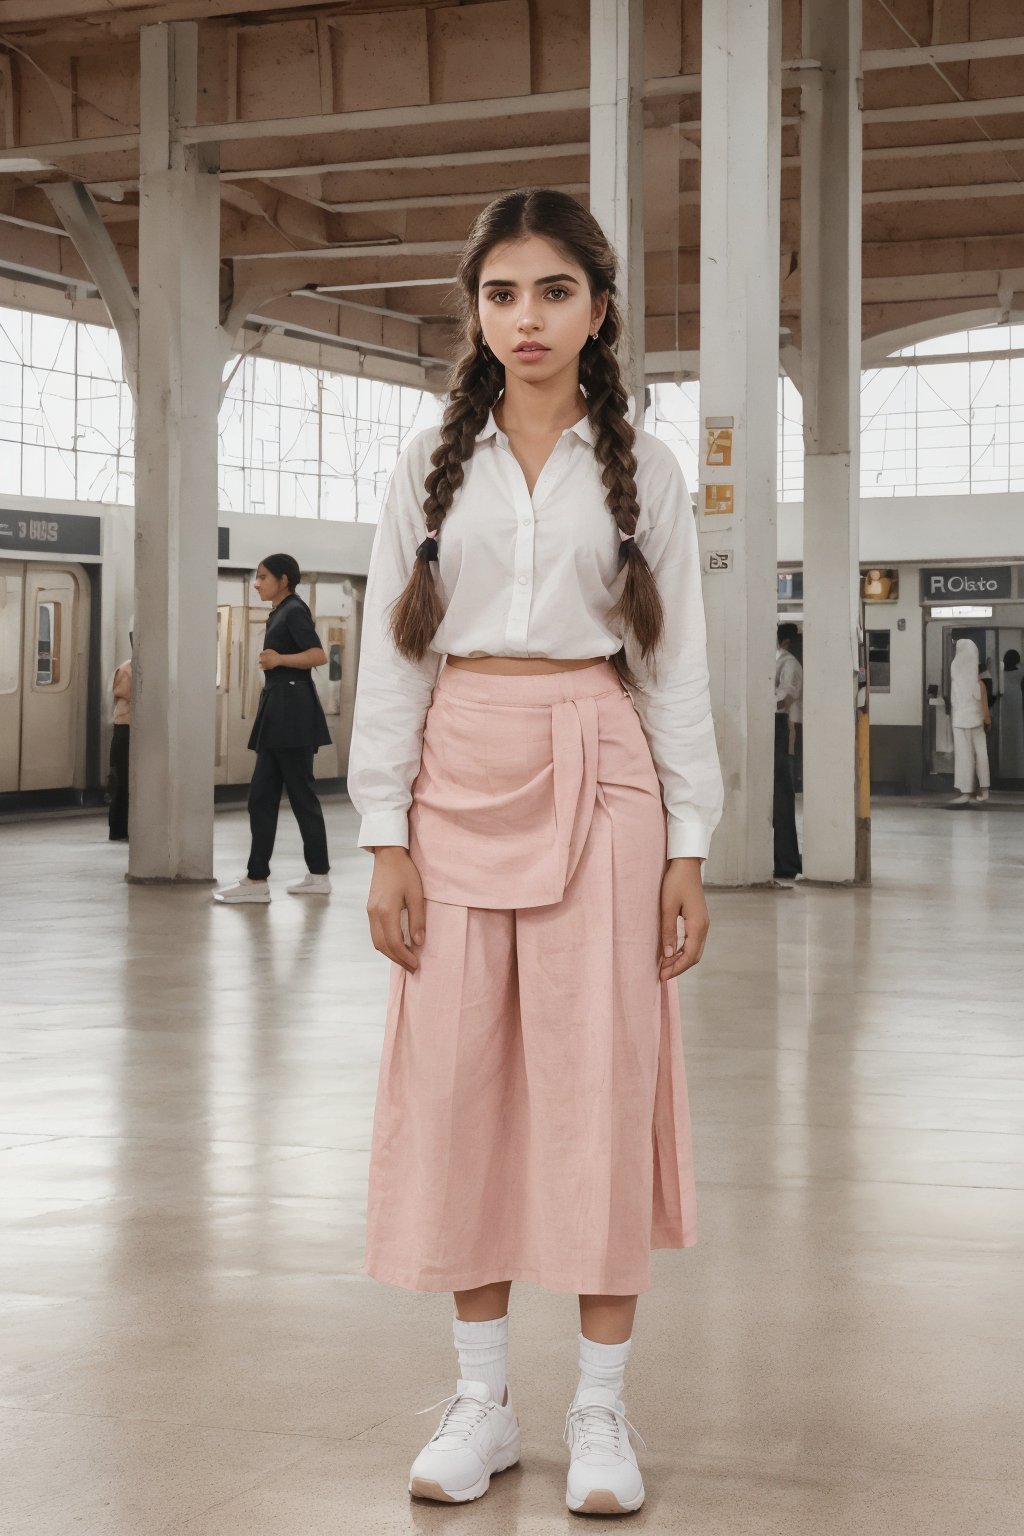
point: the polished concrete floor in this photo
(186, 1344)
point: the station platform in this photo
(188, 1347)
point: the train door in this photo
(1006, 742)
(251, 626)
(12, 583)
(334, 616)
(53, 678)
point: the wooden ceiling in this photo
(357, 142)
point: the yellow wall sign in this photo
(719, 500)
(719, 447)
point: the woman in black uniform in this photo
(289, 727)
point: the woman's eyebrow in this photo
(540, 282)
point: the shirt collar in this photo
(582, 429)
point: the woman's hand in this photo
(269, 660)
(396, 887)
(682, 895)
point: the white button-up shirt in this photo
(536, 576)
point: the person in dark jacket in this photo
(289, 727)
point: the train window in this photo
(10, 633)
(48, 644)
(334, 664)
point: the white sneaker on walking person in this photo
(311, 885)
(244, 890)
(604, 1478)
(475, 1438)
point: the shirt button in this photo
(523, 580)
(526, 522)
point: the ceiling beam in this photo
(942, 111)
(13, 12)
(927, 151)
(46, 155)
(442, 200)
(941, 53)
(928, 358)
(955, 194)
(73, 205)
(338, 338)
(378, 250)
(383, 119)
(506, 156)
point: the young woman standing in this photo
(289, 727)
(531, 1118)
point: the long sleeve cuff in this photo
(384, 829)
(688, 839)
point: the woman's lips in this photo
(531, 352)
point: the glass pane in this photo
(59, 472)
(47, 644)
(10, 467)
(12, 346)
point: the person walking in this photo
(969, 712)
(538, 808)
(289, 727)
(120, 746)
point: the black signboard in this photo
(965, 583)
(223, 543)
(49, 533)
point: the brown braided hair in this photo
(476, 382)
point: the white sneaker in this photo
(244, 890)
(604, 1478)
(475, 1438)
(960, 800)
(311, 885)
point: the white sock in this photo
(483, 1353)
(603, 1365)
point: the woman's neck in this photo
(540, 409)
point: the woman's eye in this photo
(562, 292)
(501, 293)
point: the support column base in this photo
(170, 879)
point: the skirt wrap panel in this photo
(532, 1119)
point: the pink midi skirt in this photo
(531, 1119)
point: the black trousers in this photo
(787, 848)
(118, 817)
(290, 769)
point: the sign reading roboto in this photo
(980, 583)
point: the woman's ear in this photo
(598, 310)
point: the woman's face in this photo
(270, 588)
(536, 309)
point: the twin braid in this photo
(639, 606)
(476, 384)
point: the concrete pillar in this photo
(181, 354)
(739, 367)
(830, 286)
(617, 160)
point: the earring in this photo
(593, 335)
